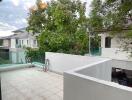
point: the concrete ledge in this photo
(14, 67)
(93, 82)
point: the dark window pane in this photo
(16, 41)
(107, 42)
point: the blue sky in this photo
(13, 14)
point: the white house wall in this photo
(24, 43)
(13, 43)
(115, 51)
(6, 43)
(115, 42)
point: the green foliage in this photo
(117, 13)
(35, 55)
(96, 42)
(63, 27)
(3, 61)
(1, 42)
(114, 17)
(96, 19)
(111, 15)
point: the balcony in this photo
(85, 78)
(31, 84)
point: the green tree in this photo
(115, 18)
(117, 15)
(34, 55)
(62, 26)
(118, 21)
(95, 23)
(96, 19)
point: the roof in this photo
(20, 30)
(19, 34)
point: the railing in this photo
(18, 57)
(4, 57)
(18, 46)
(96, 51)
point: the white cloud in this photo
(13, 13)
(6, 27)
(27, 5)
(5, 33)
(16, 2)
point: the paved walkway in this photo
(31, 84)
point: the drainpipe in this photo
(89, 44)
(89, 30)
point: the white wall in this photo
(60, 62)
(79, 87)
(33, 45)
(103, 70)
(114, 52)
(13, 43)
(121, 64)
(30, 42)
(6, 43)
(115, 42)
(90, 82)
(100, 71)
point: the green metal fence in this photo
(4, 57)
(19, 57)
(96, 51)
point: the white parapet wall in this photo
(89, 78)
(100, 71)
(93, 82)
(60, 62)
(115, 53)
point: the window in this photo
(27, 42)
(16, 41)
(1, 42)
(22, 41)
(35, 42)
(19, 42)
(107, 42)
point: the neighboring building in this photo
(22, 38)
(16, 43)
(111, 47)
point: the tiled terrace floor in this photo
(31, 84)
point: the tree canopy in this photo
(118, 16)
(95, 18)
(113, 17)
(61, 26)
